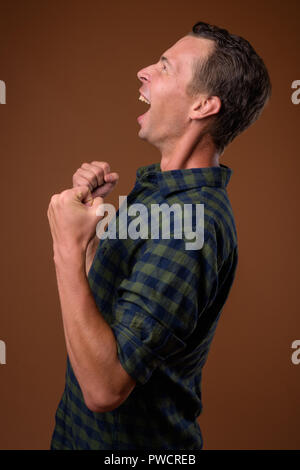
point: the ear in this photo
(205, 106)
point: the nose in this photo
(143, 75)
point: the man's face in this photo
(164, 85)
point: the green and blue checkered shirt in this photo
(163, 303)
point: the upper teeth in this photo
(141, 98)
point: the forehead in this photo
(186, 49)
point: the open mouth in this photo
(145, 100)
(142, 98)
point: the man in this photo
(139, 314)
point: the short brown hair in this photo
(237, 75)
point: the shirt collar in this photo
(183, 179)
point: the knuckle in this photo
(65, 194)
(103, 165)
(100, 172)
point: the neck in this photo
(184, 154)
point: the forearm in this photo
(90, 342)
(90, 253)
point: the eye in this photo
(164, 67)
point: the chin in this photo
(142, 134)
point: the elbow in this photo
(99, 407)
(102, 404)
(108, 399)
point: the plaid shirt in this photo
(163, 303)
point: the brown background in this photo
(72, 96)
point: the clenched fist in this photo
(97, 176)
(101, 181)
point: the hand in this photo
(101, 182)
(72, 222)
(97, 176)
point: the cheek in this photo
(167, 100)
(175, 108)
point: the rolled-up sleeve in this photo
(156, 308)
